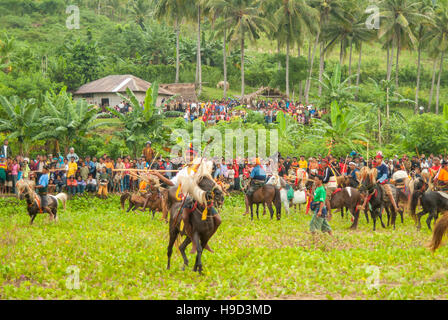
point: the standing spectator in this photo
(148, 152)
(126, 178)
(6, 149)
(168, 166)
(72, 154)
(72, 168)
(236, 177)
(84, 171)
(118, 179)
(3, 168)
(14, 174)
(103, 182)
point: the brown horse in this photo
(203, 230)
(348, 198)
(267, 194)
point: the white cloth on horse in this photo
(400, 174)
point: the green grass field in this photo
(123, 256)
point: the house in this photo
(103, 92)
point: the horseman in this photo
(189, 170)
(42, 188)
(441, 179)
(383, 178)
(258, 177)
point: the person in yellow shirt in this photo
(441, 180)
(72, 168)
(303, 164)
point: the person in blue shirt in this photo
(258, 173)
(42, 188)
(257, 178)
(383, 178)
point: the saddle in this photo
(254, 186)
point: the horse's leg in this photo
(173, 237)
(432, 215)
(373, 213)
(258, 206)
(32, 218)
(355, 214)
(198, 263)
(366, 213)
(394, 215)
(271, 211)
(182, 248)
(419, 216)
(381, 216)
(252, 212)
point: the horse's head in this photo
(368, 179)
(213, 192)
(420, 184)
(24, 187)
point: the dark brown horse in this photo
(267, 194)
(349, 198)
(203, 230)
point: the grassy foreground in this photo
(123, 256)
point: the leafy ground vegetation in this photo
(123, 256)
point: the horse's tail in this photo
(63, 198)
(123, 199)
(414, 202)
(440, 229)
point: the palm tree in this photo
(427, 7)
(244, 20)
(21, 120)
(293, 19)
(438, 42)
(326, 9)
(140, 9)
(67, 119)
(397, 20)
(173, 10)
(219, 8)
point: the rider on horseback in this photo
(441, 180)
(42, 188)
(190, 170)
(383, 178)
(258, 177)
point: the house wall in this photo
(114, 99)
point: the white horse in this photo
(299, 195)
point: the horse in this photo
(433, 202)
(280, 183)
(348, 198)
(377, 197)
(202, 229)
(25, 190)
(266, 194)
(347, 181)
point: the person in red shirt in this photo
(236, 178)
